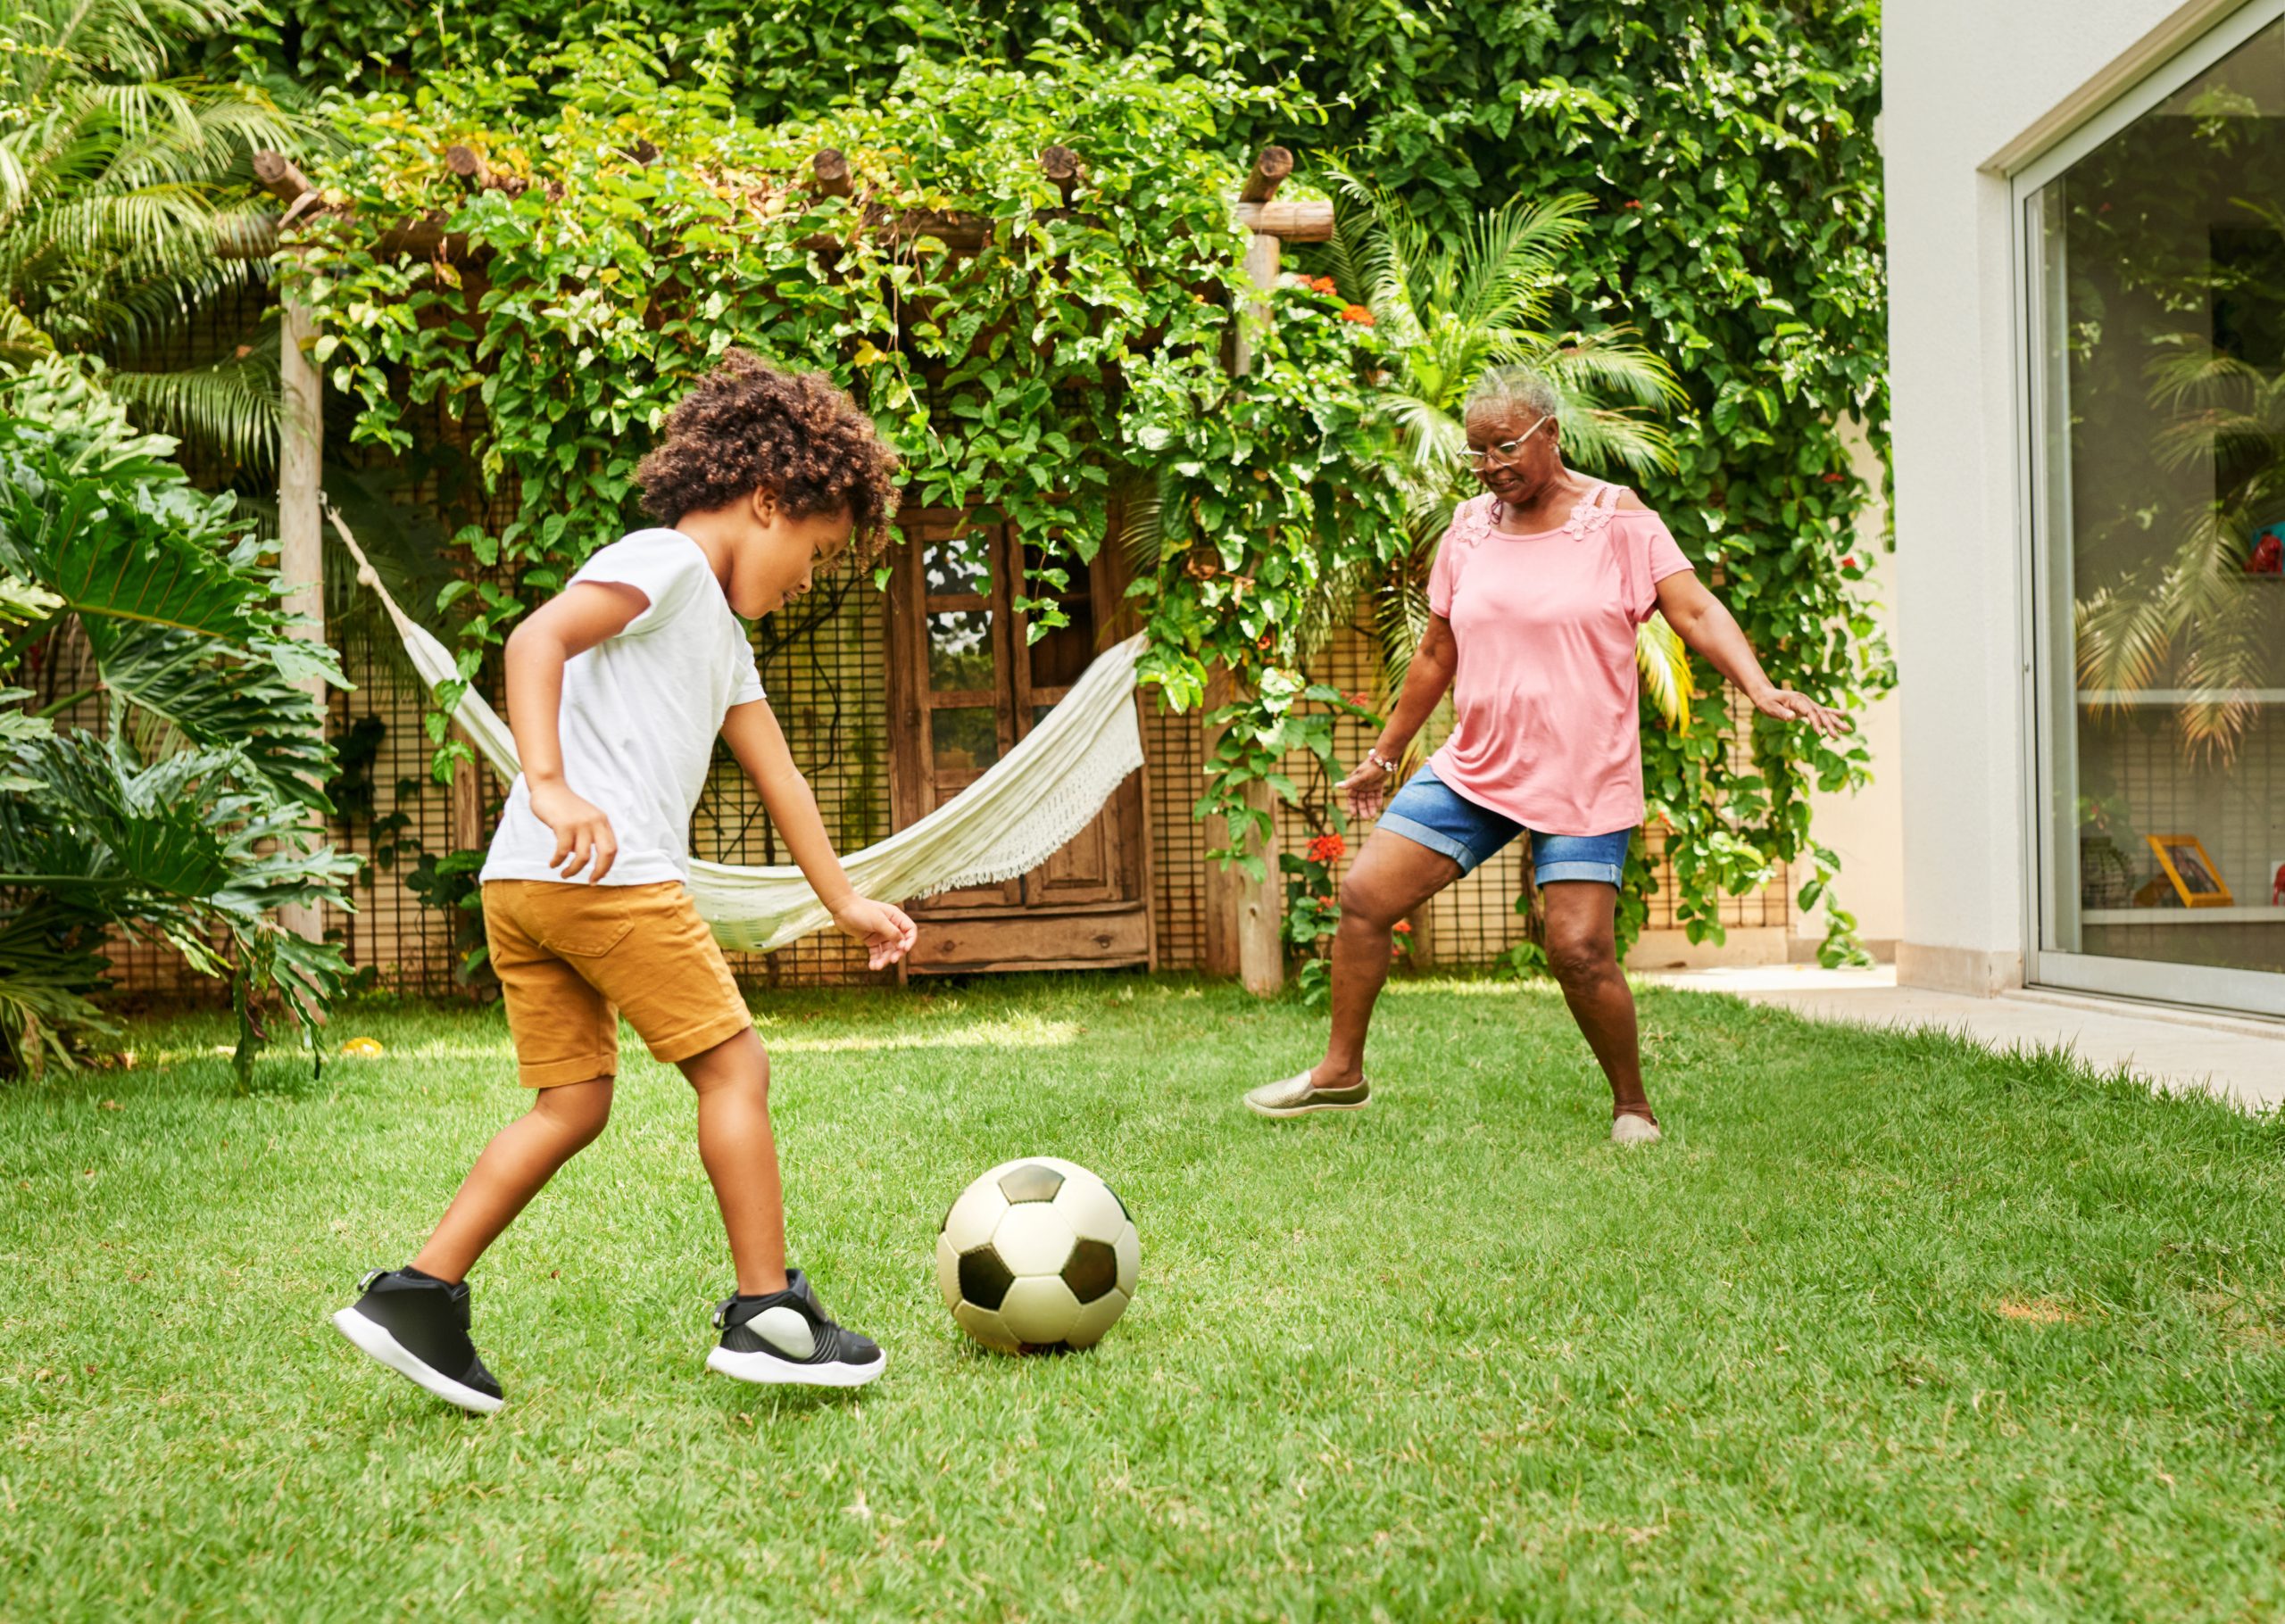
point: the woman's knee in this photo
(1578, 957)
(579, 1110)
(1368, 904)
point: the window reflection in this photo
(959, 650)
(956, 567)
(965, 738)
(2161, 284)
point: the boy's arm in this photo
(754, 738)
(569, 624)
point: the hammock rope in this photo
(1024, 807)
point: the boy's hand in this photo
(582, 831)
(885, 929)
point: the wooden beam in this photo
(463, 162)
(301, 543)
(1293, 219)
(829, 172)
(279, 177)
(1252, 908)
(1261, 270)
(1269, 169)
(1261, 903)
(466, 805)
(1062, 168)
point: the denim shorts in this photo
(1430, 813)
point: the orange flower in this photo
(1403, 927)
(1328, 848)
(1357, 314)
(1324, 285)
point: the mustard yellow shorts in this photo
(573, 957)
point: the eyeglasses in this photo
(1506, 452)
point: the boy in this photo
(617, 690)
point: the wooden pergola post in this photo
(1250, 912)
(300, 452)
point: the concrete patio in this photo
(2239, 1058)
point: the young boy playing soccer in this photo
(617, 690)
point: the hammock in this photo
(1022, 810)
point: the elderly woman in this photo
(1536, 591)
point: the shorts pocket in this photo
(585, 927)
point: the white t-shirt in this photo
(641, 713)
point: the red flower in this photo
(1328, 848)
(1849, 562)
(1834, 478)
(1357, 314)
(1632, 203)
(1403, 927)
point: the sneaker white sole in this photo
(770, 1370)
(374, 1340)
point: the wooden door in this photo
(965, 683)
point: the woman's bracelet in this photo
(1373, 757)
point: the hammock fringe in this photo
(1024, 807)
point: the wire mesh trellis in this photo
(827, 684)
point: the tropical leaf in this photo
(126, 202)
(210, 700)
(48, 967)
(26, 602)
(1664, 661)
(178, 606)
(17, 727)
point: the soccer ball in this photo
(1036, 1254)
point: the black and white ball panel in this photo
(1037, 1253)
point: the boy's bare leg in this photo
(521, 1158)
(732, 1081)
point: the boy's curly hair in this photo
(747, 426)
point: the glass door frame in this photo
(2049, 710)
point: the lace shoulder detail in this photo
(1473, 519)
(1593, 514)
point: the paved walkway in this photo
(2240, 1059)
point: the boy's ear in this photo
(763, 504)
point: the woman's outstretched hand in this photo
(1787, 706)
(1366, 788)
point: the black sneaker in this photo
(787, 1337)
(419, 1328)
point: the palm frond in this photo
(1661, 656)
(229, 405)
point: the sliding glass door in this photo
(2155, 294)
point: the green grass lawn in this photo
(1889, 1327)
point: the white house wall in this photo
(1968, 84)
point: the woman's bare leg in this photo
(1392, 876)
(1582, 950)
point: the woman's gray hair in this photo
(1504, 387)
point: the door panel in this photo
(965, 685)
